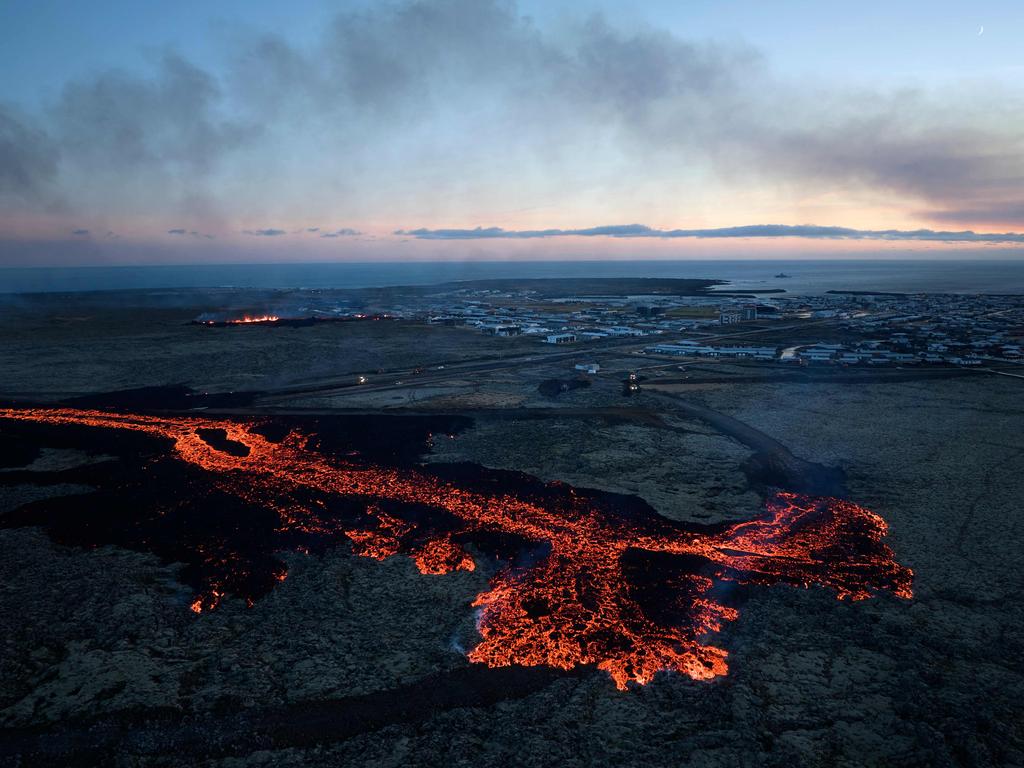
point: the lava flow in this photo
(298, 321)
(626, 590)
(244, 320)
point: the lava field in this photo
(577, 577)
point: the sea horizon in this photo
(802, 276)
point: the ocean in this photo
(805, 277)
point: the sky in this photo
(196, 132)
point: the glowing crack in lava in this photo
(633, 594)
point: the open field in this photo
(114, 348)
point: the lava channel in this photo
(633, 594)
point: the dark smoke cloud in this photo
(753, 231)
(28, 159)
(120, 122)
(121, 141)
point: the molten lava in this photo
(299, 321)
(584, 598)
(246, 319)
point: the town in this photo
(839, 328)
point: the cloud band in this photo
(750, 231)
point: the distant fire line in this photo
(287, 321)
(257, 319)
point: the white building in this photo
(620, 330)
(560, 338)
(819, 354)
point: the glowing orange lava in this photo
(579, 602)
(244, 320)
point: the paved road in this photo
(999, 373)
(458, 370)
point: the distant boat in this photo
(783, 274)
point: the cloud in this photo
(749, 231)
(265, 232)
(122, 141)
(80, 232)
(471, 105)
(167, 122)
(28, 158)
(496, 97)
(344, 232)
(312, 229)
(993, 212)
(968, 170)
(179, 231)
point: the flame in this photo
(254, 319)
(246, 319)
(576, 605)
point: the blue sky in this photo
(123, 122)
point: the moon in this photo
(981, 31)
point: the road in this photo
(453, 371)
